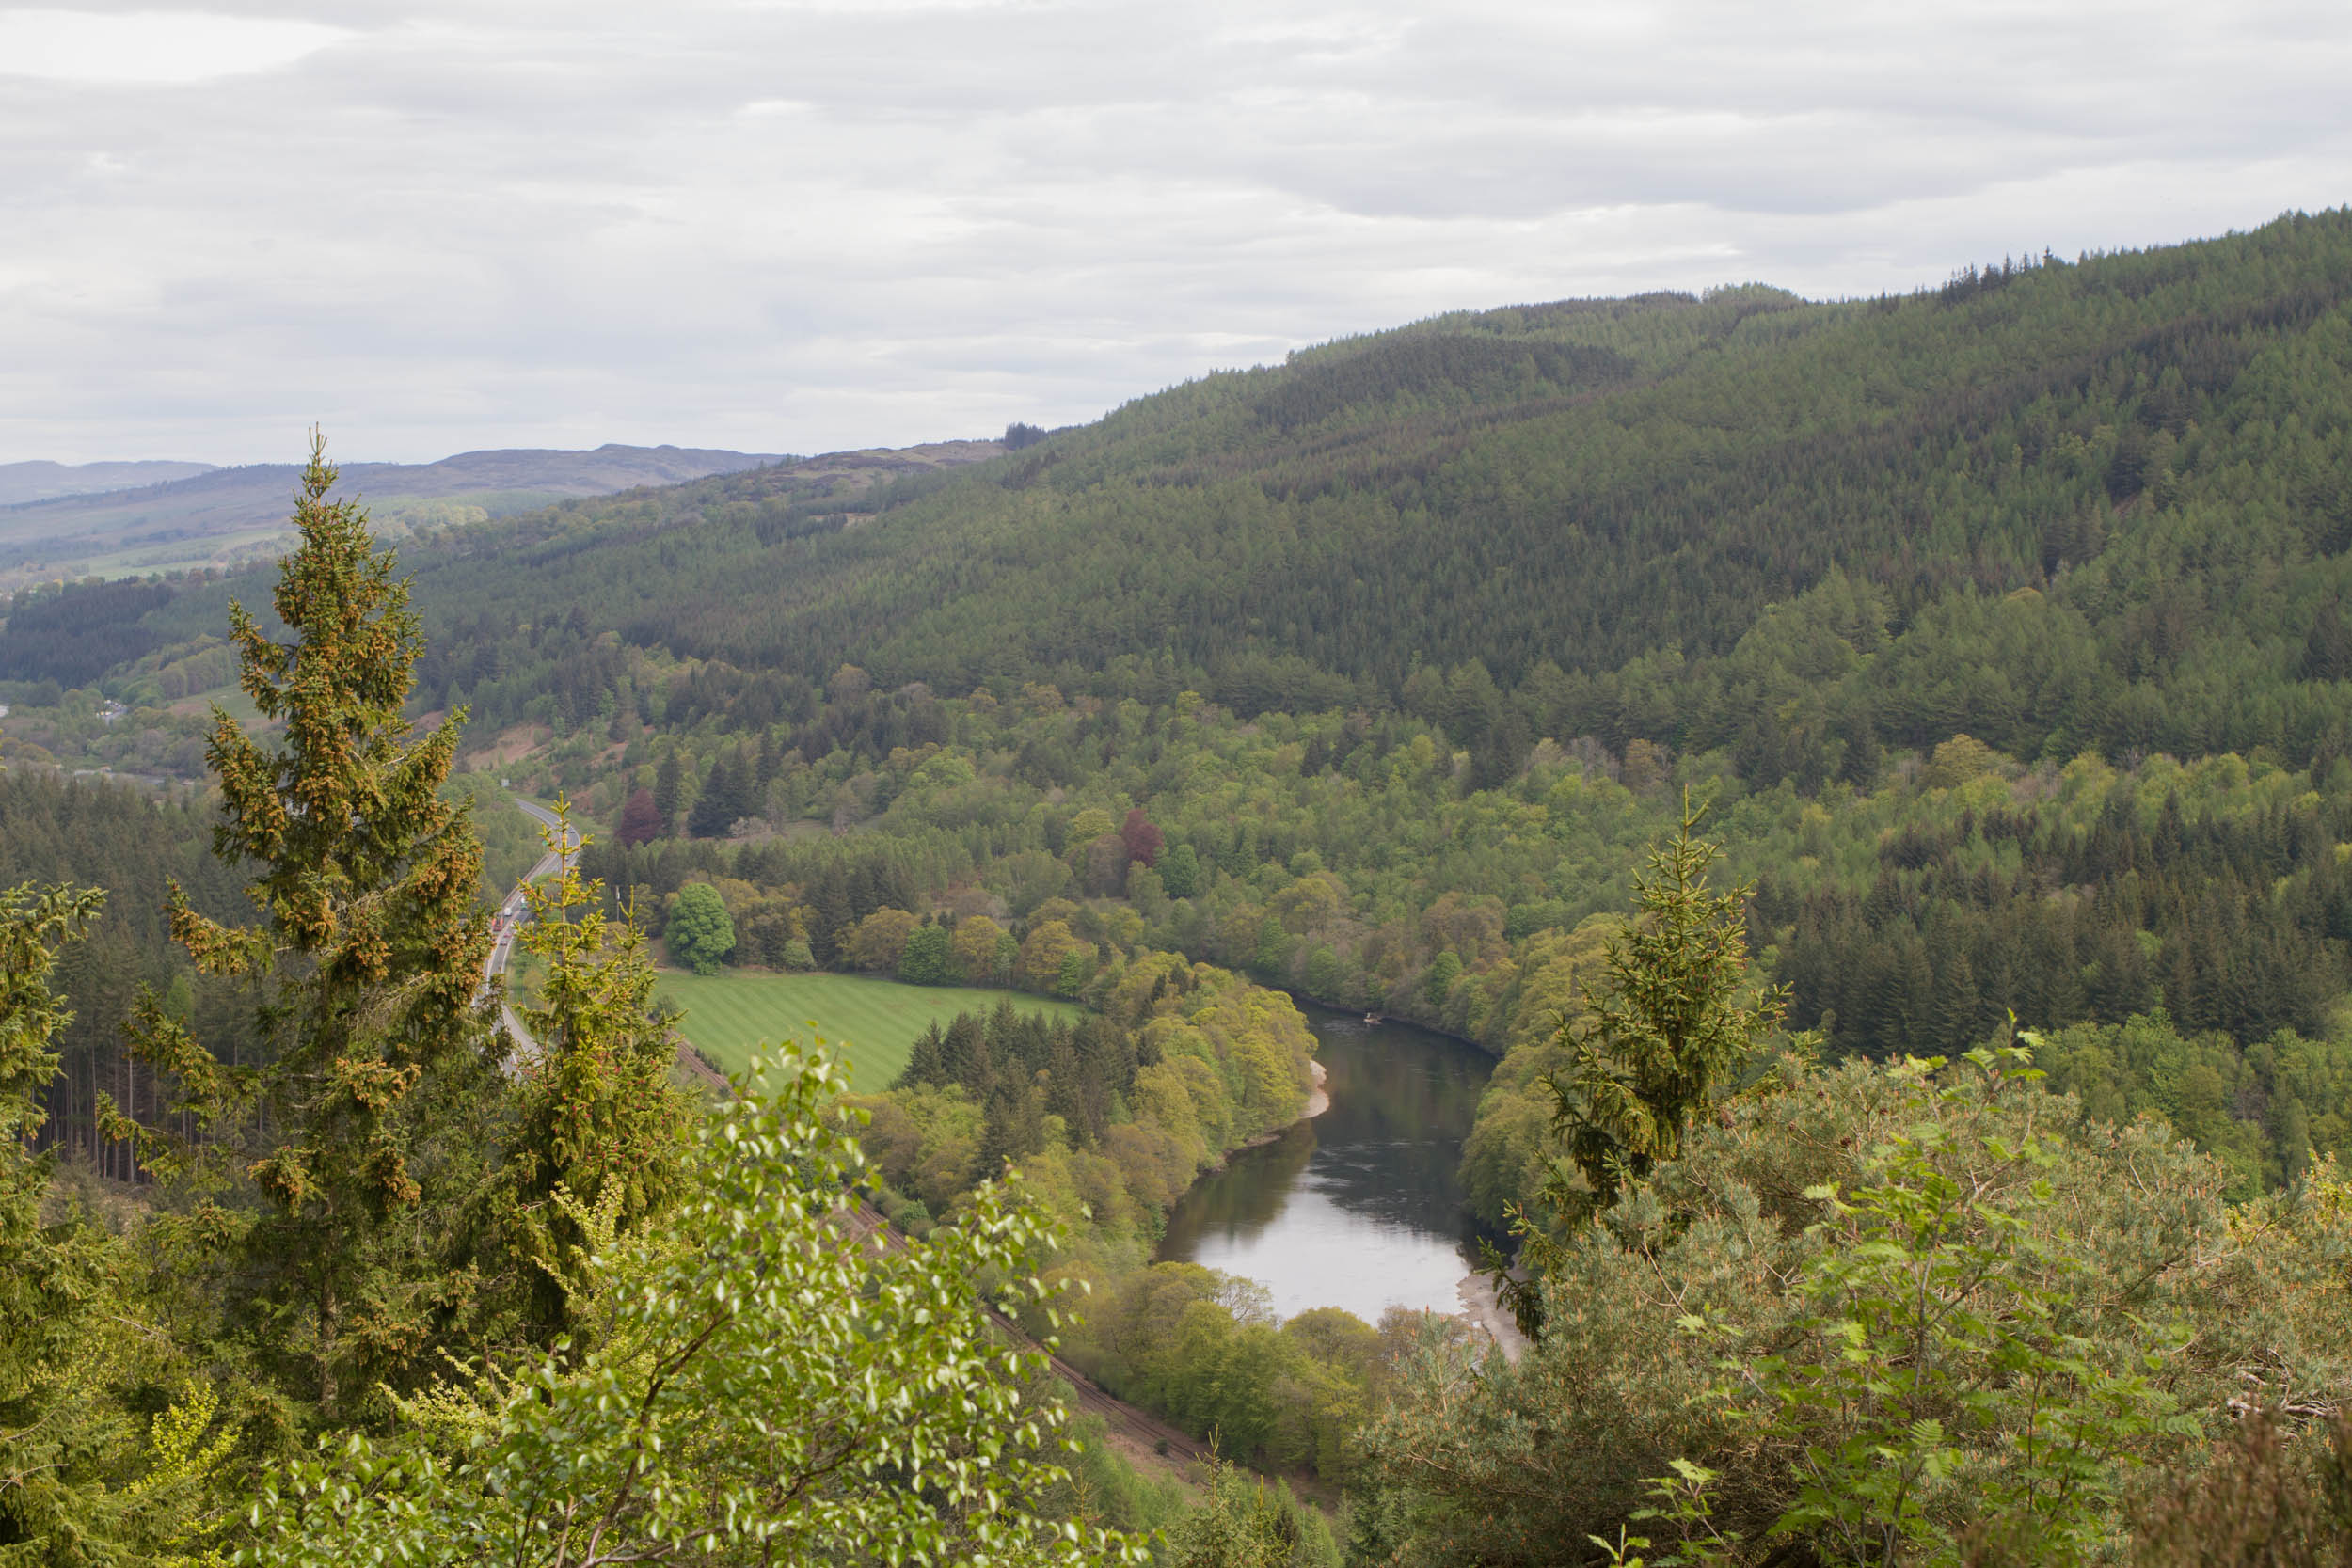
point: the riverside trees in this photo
(1921, 1313)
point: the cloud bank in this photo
(798, 227)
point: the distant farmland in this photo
(873, 1023)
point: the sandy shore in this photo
(1486, 1314)
(1318, 1100)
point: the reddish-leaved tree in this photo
(641, 819)
(1143, 840)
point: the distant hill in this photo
(2104, 504)
(216, 516)
(2053, 507)
(36, 482)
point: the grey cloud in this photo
(797, 228)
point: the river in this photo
(1358, 1208)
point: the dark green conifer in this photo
(369, 956)
(1669, 1032)
(669, 786)
(58, 1286)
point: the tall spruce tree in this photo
(1664, 1038)
(368, 956)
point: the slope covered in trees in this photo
(1595, 502)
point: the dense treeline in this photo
(73, 637)
(1109, 1119)
(1363, 860)
(2240, 925)
(135, 843)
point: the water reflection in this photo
(1358, 1208)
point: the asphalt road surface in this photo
(510, 922)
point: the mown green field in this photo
(872, 1022)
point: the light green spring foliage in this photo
(765, 1385)
(187, 1457)
(1243, 1523)
(1882, 1309)
(700, 931)
(2261, 1109)
(1943, 1381)
(1203, 1348)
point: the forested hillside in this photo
(1994, 633)
(1613, 490)
(2002, 621)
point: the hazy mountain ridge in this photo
(40, 480)
(216, 515)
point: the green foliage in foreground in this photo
(1668, 1033)
(53, 1337)
(2277, 1495)
(758, 1384)
(1243, 1523)
(1874, 1312)
(83, 1480)
(364, 971)
(596, 1118)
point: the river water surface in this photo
(1360, 1207)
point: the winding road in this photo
(510, 924)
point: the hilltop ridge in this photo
(203, 515)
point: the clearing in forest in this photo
(872, 1022)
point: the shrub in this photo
(1707, 1316)
(700, 931)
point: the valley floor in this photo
(872, 1022)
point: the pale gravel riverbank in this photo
(1487, 1315)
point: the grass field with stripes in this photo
(873, 1023)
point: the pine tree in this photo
(722, 799)
(669, 788)
(370, 956)
(1666, 1035)
(2327, 647)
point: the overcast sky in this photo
(787, 227)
